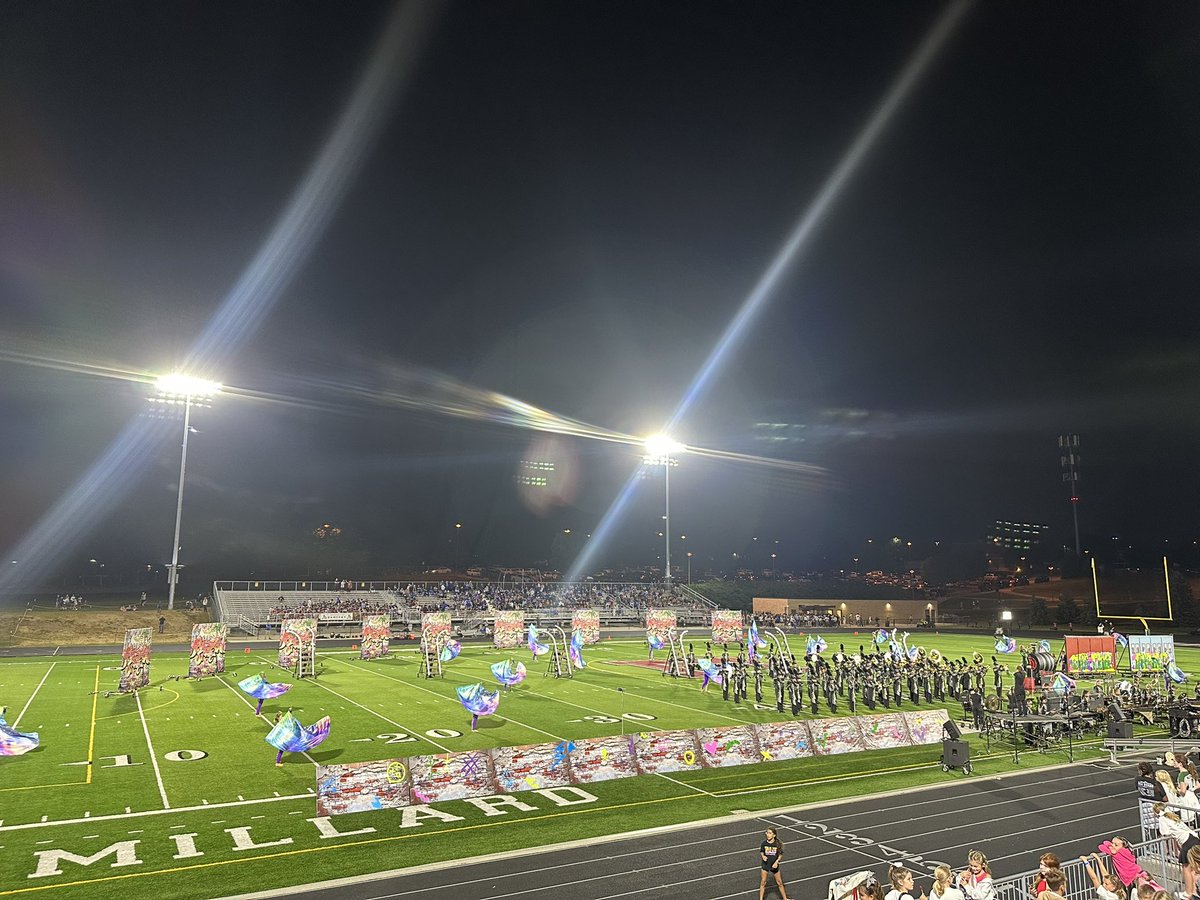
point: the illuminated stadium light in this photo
(191, 390)
(659, 449)
(178, 385)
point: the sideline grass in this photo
(219, 776)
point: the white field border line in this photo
(153, 812)
(238, 694)
(642, 833)
(637, 677)
(380, 715)
(448, 700)
(162, 792)
(29, 702)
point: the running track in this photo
(1067, 809)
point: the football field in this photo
(174, 791)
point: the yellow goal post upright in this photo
(1145, 620)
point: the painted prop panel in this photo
(435, 623)
(1151, 652)
(603, 759)
(208, 649)
(534, 767)
(135, 660)
(888, 730)
(726, 626)
(451, 776)
(734, 746)
(393, 783)
(658, 623)
(586, 621)
(925, 725)
(296, 636)
(376, 636)
(1091, 654)
(783, 740)
(509, 630)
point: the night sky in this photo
(567, 203)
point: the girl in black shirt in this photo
(771, 852)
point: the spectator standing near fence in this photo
(1149, 792)
(1108, 886)
(976, 880)
(1047, 864)
(1171, 826)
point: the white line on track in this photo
(162, 792)
(34, 694)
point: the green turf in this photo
(379, 709)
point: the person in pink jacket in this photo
(1125, 863)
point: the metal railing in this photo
(1158, 857)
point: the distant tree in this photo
(1039, 613)
(1068, 610)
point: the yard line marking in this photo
(392, 722)
(448, 700)
(34, 694)
(237, 694)
(162, 792)
(92, 735)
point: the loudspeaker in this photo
(1115, 712)
(951, 731)
(955, 754)
(1120, 729)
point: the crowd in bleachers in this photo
(468, 596)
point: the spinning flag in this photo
(1176, 674)
(289, 736)
(914, 653)
(478, 701)
(815, 645)
(1006, 645)
(534, 647)
(756, 643)
(654, 640)
(881, 637)
(1062, 685)
(450, 650)
(258, 687)
(13, 742)
(1121, 639)
(509, 672)
(575, 650)
(1043, 646)
(712, 672)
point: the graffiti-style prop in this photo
(376, 635)
(435, 623)
(1088, 655)
(394, 783)
(588, 622)
(508, 629)
(658, 623)
(296, 638)
(1151, 652)
(135, 660)
(726, 626)
(208, 649)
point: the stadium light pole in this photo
(659, 449)
(188, 390)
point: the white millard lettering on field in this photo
(48, 860)
(325, 825)
(185, 845)
(490, 806)
(243, 841)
